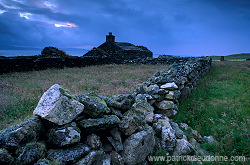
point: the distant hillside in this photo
(237, 57)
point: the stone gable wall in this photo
(99, 130)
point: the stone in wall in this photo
(138, 146)
(58, 106)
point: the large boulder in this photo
(58, 106)
(138, 146)
(28, 131)
(64, 135)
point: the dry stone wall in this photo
(98, 130)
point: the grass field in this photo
(20, 92)
(220, 106)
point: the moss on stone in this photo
(67, 93)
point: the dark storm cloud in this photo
(180, 27)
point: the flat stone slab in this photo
(58, 106)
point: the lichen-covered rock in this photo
(177, 131)
(93, 125)
(141, 98)
(64, 135)
(28, 131)
(94, 141)
(183, 147)
(165, 132)
(122, 102)
(116, 139)
(95, 106)
(58, 106)
(152, 89)
(169, 86)
(95, 158)
(170, 95)
(210, 140)
(68, 155)
(129, 124)
(31, 153)
(5, 157)
(146, 109)
(165, 105)
(138, 146)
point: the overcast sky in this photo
(176, 27)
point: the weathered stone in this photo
(169, 112)
(210, 140)
(64, 135)
(130, 123)
(163, 92)
(95, 158)
(178, 132)
(152, 89)
(31, 153)
(122, 102)
(165, 105)
(194, 143)
(168, 139)
(141, 98)
(195, 134)
(183, 147)
(184, 126)
(170, 95)
(94, 141)
(146, 109)
(68, 155)
(5, 157)
(116, 139)
(58, 106)
(169, 86)
(138, 146)
(177, 94)
(116, 112)
(95, 106)
(28, 131)
(116, 159)
(94, 125)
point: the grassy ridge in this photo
(233, 57)
(220, 106)
(20, 92)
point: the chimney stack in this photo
(110, 38)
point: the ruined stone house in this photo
(118, 51)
